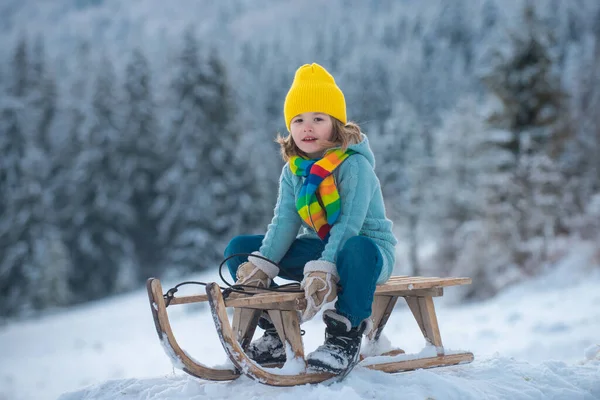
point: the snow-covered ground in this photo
(538, 340)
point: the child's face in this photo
(312, 132)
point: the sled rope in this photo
(231, 288)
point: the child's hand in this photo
(319, 288)
(249, 274)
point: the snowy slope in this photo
(538, 340)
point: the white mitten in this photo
(249, 274)
(320, 288)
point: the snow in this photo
(536, 340)
(293, 365)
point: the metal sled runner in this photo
(283, 309)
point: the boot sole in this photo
(318, 366)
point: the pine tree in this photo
(44, 96)
(454, 28)
(14, 284)
(141, 148)
(589, 118)
(69, 178)
(99, 240)
(456, 209)
(594, 101)
(49, 250)
(208, 185)
(258, 105)
(403, 168)
(583, 167)
(373, 107)
(528, 127)
(228, 179)
(183, 200)
(20, 69)
(27, 229)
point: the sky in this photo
(536, 340)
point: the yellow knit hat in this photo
(314, 90)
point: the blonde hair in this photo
(341, 136)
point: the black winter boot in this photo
(341, 350)
(267, 349)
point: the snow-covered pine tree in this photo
(240, 199)
(142, 149)
(522, 196)
(226, 178)
(102, 215)
(259, 92)
(371, 94)
(49, 251)
(185, 198)
(14, 284)
(583, 168)
(43, 99)
(67, 179)
(454, 29)
(594, 104)
(393, 156)
(27, 229)
(590, 103)
(401, 168)
(456, 210)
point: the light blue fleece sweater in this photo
(362, 213)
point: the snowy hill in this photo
(538, 340)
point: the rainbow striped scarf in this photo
(319, 201)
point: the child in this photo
(329, 192)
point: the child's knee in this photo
(358, 252)
(233, 246)
(241, 244)
(360, 246)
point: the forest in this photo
(137, 140)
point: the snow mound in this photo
(592, 353)
(495, 377)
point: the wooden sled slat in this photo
(396, 285)
(287, 324)
(415, 283)
(411, 365)
(423, 310)
(179, 358)
(244, 324)
(263, 301)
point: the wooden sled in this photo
(178, 356)
(283, 309)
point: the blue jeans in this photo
(359, 264)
